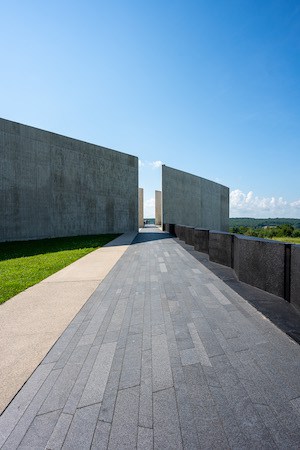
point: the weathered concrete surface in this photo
(163, 355)
(295, 275)
(158, 207)
(201, 240)
(52, 185)
(261, 263)
(141, 207)
(32, 321)
(194, 201)
(221, 248)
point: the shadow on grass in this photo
(19, 249)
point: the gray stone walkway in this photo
(163, 355)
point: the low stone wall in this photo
(189, 235)
(169, 228)
(180, 232)
(295, 275)
(201, 240)
(221, 248)
(268, 265)
(176, 230)
(261, 263)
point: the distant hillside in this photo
(259, 223)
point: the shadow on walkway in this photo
(147, 237)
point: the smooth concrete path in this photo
(163, 355)
(32, 321)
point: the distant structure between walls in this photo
(52, 185)
(193, 201)
(141, 207)
(158, 206)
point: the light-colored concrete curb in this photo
(32, 321)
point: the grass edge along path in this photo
(26, 263)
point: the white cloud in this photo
(250, 205)
(155, 164)
(296, 204)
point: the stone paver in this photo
(164, 355)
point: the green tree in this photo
(285, 230)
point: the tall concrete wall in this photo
(52, 185)
(194, 201)
(141, 207)
(158, 208)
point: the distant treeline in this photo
(260, 223)
(266, 228)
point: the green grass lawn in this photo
(23, 264)
(291, 240)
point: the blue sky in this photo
(211, 88)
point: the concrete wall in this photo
(194, 201)
(52, 185)
(141, 207)
(157, 207)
